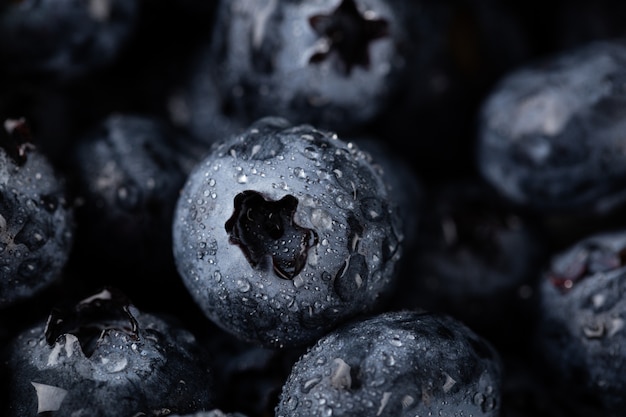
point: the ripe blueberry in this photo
(399, 363)
(284, 231)
(104, 357)
(36, 221)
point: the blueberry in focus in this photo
(580, 338)
(336, 64)
(551, 133)
(398, 363)
(36, 220)
(104, 357)
(285, 231)
(63, 39)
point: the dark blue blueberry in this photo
(64, 39)
(36, 220)
(284, 231)
(551, 133)
(581, 337)
(476, 258)
(405, 185)
(336, 64)
(128, 171)
(195, 103)
(400, 363)
(103, 357)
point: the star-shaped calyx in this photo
(266, 232)
(347, 33)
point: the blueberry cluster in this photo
(283, 208)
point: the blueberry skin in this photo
(213, 413)
(551, 134)
(398, 363)
(106, 358)
(128, 170)
(36, 220)
(476, 258)
(336, 64)
(334, 258)
(580, 336)
(65, 39)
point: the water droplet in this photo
(407, 401)
(377, 382)
(340, 378)
(321, 219)
(395, 341)
(479, 399)
(298, 281)
(292, 403)
(243, 285)
(307, 385)
(299, 173)
(114, 364)
(311, 152)
(344, 201)
(389, 360)
(450, 382)
(242, 178)
(373, 209)
(593, 330)
(383, 402)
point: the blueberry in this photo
(404, 183)
(284, 231)
(476, 258)
(127, 170)
(336, 64)
(580, 338)
(104, 357)
(397, 363)
(65, 39)
(551, 133)
(36, 220)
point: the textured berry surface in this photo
(333, 63)
(402, 363)
(125, 361)
(473, 140)
(284, 231)
(580, 336)
(551, 134)
(127, 174)
(36, 221)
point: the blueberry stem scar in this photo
(348, 33)
(90, 318)
(266, 232)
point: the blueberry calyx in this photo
(584, 263)
(91, 318)
(17, 141)
(265, 231)
(348, 33)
